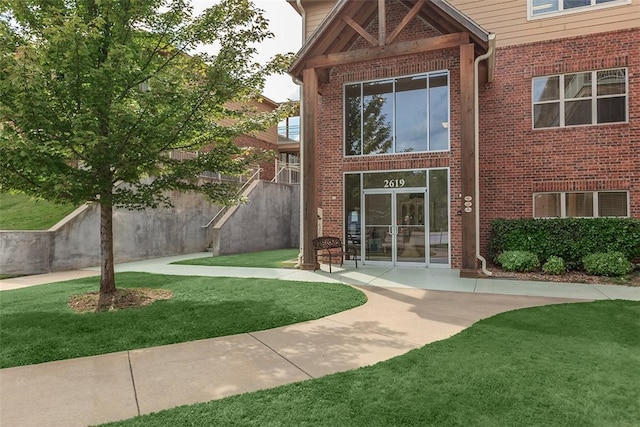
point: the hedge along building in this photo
(402, 160)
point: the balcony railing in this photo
(287, 173)
(207, 175)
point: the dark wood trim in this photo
(382, 23)
(447, 41)
(323, 77)
(334, 35)
(467, 161)
(357, 28)
(309, 174)
(405, 21)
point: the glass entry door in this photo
(394, 226)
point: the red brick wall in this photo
(268, 167)
(516, 161)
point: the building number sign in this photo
(394, 183)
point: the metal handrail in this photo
(288, 167)
(225, 208)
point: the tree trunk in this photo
(107, 279)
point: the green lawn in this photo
(38, 326)
(562, 365)
(21, 212)
(266, 259)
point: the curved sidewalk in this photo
(400, 315)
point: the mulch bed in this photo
(119, 300)
(570, 277)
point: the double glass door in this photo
(394, 229)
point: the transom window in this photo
(581, 204)
(543, 7)
(587, 98)
(400, 115)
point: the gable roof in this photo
(337, 32)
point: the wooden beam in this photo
(358, 29)
(403, 48)
(467, 162)
(382, 23)
(342, 41)
(405, 21)
(309, 174)
(323, 77)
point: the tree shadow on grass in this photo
(40, 336)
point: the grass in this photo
(37, 325)
(561, 365)
(265, 259)
(21, 212)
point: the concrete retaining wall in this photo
(75, 241)
(25, 252)
(269, 220)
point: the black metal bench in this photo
(333, 247)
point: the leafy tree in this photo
(377, 136)
(94, 94)
(374, 132)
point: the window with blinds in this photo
(584, 204)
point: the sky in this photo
(286, 25)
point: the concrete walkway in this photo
(406, 309)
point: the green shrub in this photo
(607, 264)
(568, 238)
(518, 261)
(554, 265)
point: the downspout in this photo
(303, 13)
(476, 104)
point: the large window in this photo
(400, 115)
(543, 7)
(581, 204)
(587, 98)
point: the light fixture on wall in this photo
(445, 125)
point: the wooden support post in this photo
(467, 163)
(309, 173)
(382, 23)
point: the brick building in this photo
(423, 120)
(265, 140)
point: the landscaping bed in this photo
(569, 277)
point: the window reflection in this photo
(439, 216)
(411, 110)
(546, 115)
(579, 204)
(438, 116)
(612, 204)
(577, 113)
(402, 115)
(577, 85)
(547, 205)
(612, 82)
(353, 119)
(586, 98)
(539, 7)
(569, 4)
(377, 115)
(546, 88)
